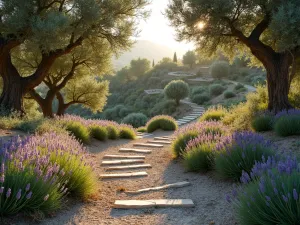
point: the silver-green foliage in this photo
(177, 90)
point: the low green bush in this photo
(163, 122)
(200, 158)
(214, 113)
(216, 89)
(165, 107)
(238, 86)
(113, 132)
(98, 132)
(200, 99)
(262, 123)
(229, 94)
(141, 129)
(126, 132)
(241, 154)
(80, 132)
(287, 125)
(135, 119)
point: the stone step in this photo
(189, 118)
(120, 162)
(148, 145)
(140, 166)
(174, 185)
(159, 142)
(124, 157)
(141, 204)
(135, 150)
(162, 138)
(123, 175)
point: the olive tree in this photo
(219, 69)
(177, 90)
(55, 28)
(266, 30)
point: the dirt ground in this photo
(206, 191)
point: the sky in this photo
(156, 28)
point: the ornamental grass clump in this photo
(241, 154)
(80, 132)
(98, 132)
(273, 196)
(166, 123)
(127, 132)
(37, 172)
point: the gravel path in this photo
(206, 191)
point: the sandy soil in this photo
(206, 191)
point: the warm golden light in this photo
(201, 25)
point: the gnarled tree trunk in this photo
(278, 83)
(13, 86)
(44, 103)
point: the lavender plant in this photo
(127, 132)
(80, 132)
(273, 196)
(190, 132)
(98, 132)
(37, 172)
(288, 125)
(241, 154)
(199, 155)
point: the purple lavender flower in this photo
(268, 198)
(27, 187)
(285, 198)
(18, 196)
(295, 194)
(8, 193)
(28, 196)
(1, 190)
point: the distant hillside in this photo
(144, 49)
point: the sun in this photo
(200, 25)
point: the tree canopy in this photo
(55, 28)
(189, 58)
(267, 30)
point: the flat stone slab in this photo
(159, 142)
(123, 175)
(174, 185)
(124, 157)
(141, 204)
(162, 138)
(125, 161)
(140, 166)
(148, 145)
(135, 150)
(189, 117)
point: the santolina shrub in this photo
(163, 122)
(241, 154)
(214, 113)
(135, 119)
(37, 172)
(273, 196)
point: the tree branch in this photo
(260, 28)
